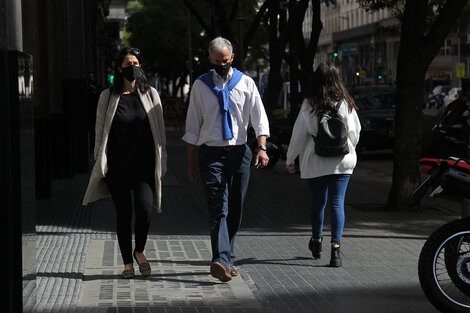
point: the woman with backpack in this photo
(324, 138)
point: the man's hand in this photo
(262, 159)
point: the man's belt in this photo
(222, 148)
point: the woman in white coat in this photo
(130, 156)
(327, 176)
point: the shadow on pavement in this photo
(276, 202)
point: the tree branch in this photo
(317, 27)
(253, 26)
(199, 18)
(234, 11)
(442, 26)
(223, 24)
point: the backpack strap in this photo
(109, 97)
(338, 105)
(151, 94)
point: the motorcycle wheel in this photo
(444, 267)
(456, 252)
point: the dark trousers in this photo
(225, 175)
(125, 193)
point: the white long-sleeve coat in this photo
(107, 106)
(302, 145)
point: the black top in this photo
(131, 149)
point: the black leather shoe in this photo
(335, 260)
(315, 246)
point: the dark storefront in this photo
(47, 47)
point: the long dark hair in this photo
(327, 89)
(141, 80)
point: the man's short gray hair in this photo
(220, 43)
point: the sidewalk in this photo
(78, 262)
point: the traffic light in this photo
(379, 76)
(110, 79)
(335, 54)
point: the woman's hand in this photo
(290, 168)
(192, 171)
(191, 163)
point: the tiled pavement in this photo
(77, 262)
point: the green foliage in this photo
(160, 30)
(134, 5)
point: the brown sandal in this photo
(128, 273)
(144, 267)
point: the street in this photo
(78, 263)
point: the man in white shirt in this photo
(223, 103)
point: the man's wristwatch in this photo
(262, 147)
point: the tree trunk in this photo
(408, 121)
(276, 46)
(271, 97)
(419, 45)
(302, 55)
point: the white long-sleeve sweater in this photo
(302, 145)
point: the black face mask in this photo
(222, 70)
(131, 72)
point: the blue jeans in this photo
(328, 190)
(225, 176)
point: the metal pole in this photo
(458, 50)
(14, 25)
(190, 50)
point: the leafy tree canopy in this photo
(160, 29)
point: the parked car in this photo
(376, 113)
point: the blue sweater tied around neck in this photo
(223, 96)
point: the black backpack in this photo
(332, 136)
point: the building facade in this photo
(47, 48)
(364, 45)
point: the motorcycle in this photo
(450, 132)
(444, 261)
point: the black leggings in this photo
(121, 190)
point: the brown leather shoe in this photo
(219, 271)
(234, 271)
